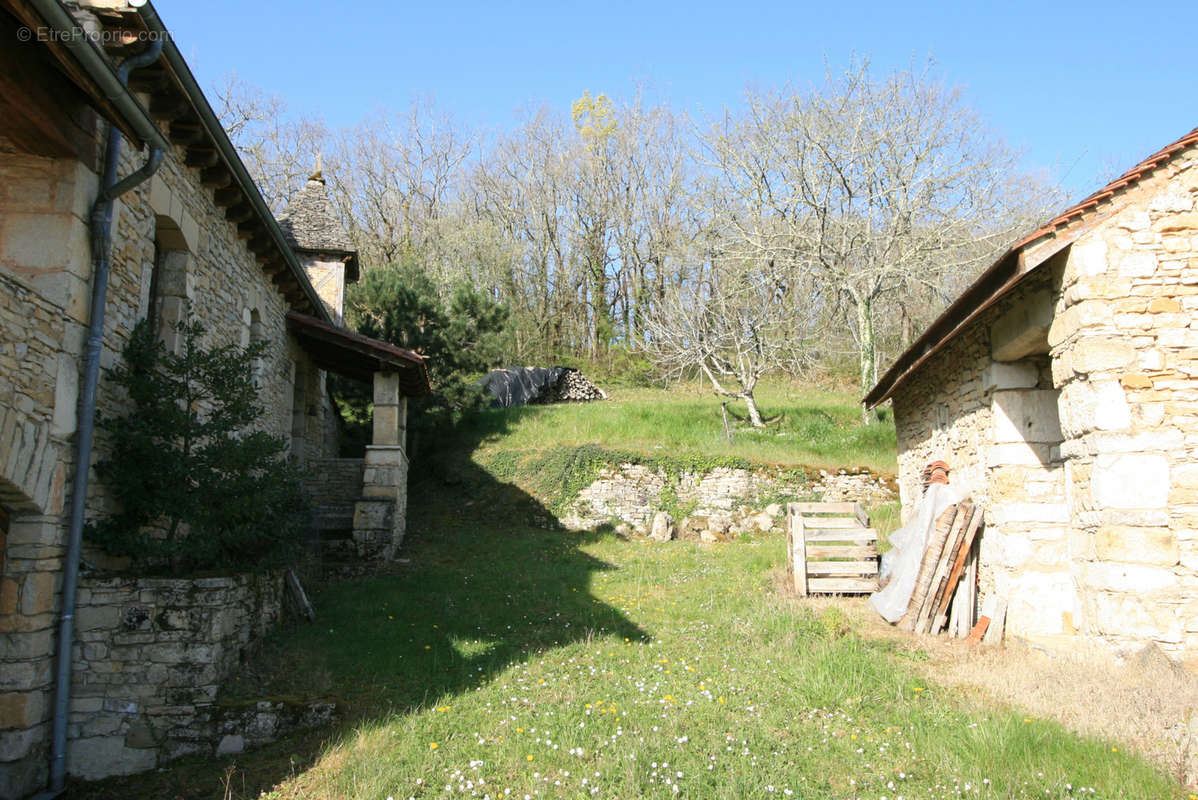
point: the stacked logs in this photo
(574, 386)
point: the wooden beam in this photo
(151, 79)
(201, 157)
(216, 177)
(229, 197)
(168, 106)
(186, 132)
(239, 213)
(40, 111)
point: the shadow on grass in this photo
(482, 583)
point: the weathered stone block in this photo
(373, 514)
(37, 593)
(1026, 415)
(1135, 617)
(1094, 405)
(1135, 578)
(9, 596)
(1096, 354)
(1023, 330)
(1130, 480)
(1155, 546)
(1019, 375)
(1137, 264)
(99, 757)
(1040, 603)
(385, 456)
(22, 709)
(662, 529)
(1086, 258)
(1047, 513)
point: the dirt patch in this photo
(1148, 703)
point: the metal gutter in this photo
(101, 242)
(100, 69)
(228, 152)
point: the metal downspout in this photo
(101, 241)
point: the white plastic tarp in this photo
(908, 544)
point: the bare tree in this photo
(396, 179)
(877, 186)
(279, 150)
(734, 325)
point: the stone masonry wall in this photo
(150, 655)
(1125, 357)
(1086, 461)
(44, 272)
(45, 286)
(632, 493)
(987, 420)
(334, 485)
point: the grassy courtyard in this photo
(506, 660)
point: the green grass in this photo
(508, 660)
(806, 427)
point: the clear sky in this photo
(1085, 90)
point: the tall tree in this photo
(880, 186)
(278, 149)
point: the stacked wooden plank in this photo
(945, 591)
(831, 549)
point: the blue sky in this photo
(1084, 89)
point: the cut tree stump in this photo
(830, 549)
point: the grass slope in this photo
(806, 427)
(510, 661)
(506, 660)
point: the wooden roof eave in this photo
(353, 355)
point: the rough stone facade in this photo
(1070, 409)
(149, 657)
(205, 271)
(633, 493)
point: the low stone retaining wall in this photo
(151, 653)
(734, 498)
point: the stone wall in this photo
(633, 493)
(334, 485)
(1070, 409)
(1125, 357)
(151, 653)
(45, 286)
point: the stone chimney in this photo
(321, 242)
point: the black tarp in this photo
(521, 386)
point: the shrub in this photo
(462, 334)
(199, 486)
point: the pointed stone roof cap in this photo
(309, 225)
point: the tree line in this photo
(810, 228)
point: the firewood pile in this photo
(574, 386)
(945, 593)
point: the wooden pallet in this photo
(830, 549)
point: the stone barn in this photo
(1062, 390)
(166, 225)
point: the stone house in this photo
(1062, 389)
(167, 225)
